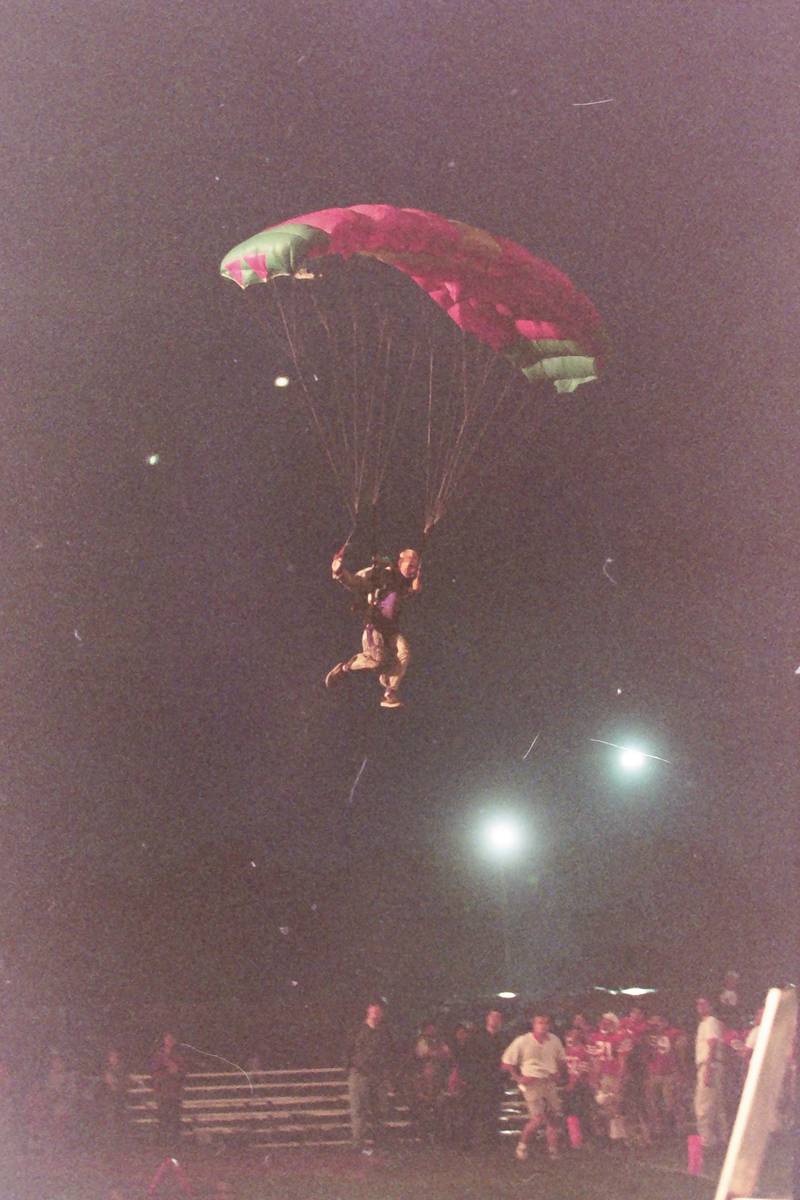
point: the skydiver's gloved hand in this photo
(337, 562)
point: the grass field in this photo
(407, 1172)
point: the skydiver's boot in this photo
(336, 674)
(391, 699)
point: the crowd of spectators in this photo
(615, 1079)
(59, 1108)
(621, 1079)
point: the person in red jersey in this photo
(635, 1023)
(578, 1096)
(663, 1086)
(607, 1049)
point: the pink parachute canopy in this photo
(494, 289)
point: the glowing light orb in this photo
(281, 381)
(503, 835)
(153, 460)
(632, 760)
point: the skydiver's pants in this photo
(388, 653)
(709, 1108)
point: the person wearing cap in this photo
(380, 591)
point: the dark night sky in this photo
(165, 630)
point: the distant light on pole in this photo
(503, 837)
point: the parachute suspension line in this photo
(442, 431)
(458, 422)
(373, 532)
(377, 439)
(355, 383)
(383, 360)
(374, 412)
(467, 431)
(430, 518)
(393, 426)
(469, 452)
(320, 428)
(516, 412)
(336, 376)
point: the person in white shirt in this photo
(709, 1108)
(537, 1062)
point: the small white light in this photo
(632, 759)
(153, 460)
(637, 991)
(506, 995)
(281, 381)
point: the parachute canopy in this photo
(519, 305)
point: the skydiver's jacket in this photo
(380, 592)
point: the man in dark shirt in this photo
(168, 1071)
(370, 1069)
(380, 591)
(484, 1079)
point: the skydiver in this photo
(380, 591)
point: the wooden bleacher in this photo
(303, 1107)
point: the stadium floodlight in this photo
(631, 759)
(504, 836)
